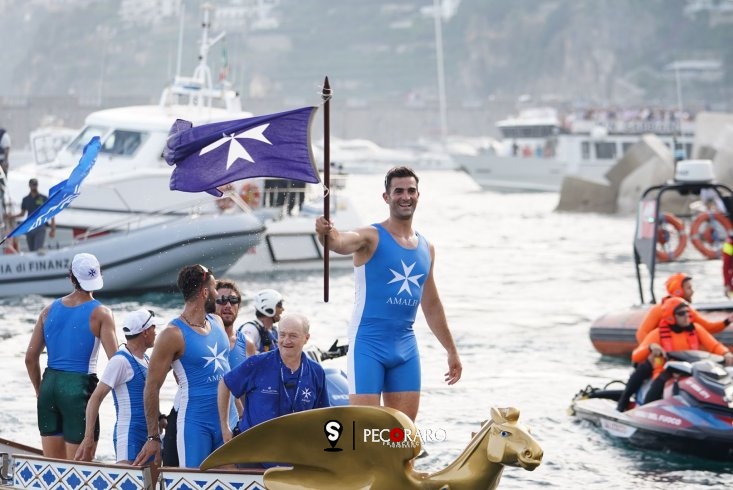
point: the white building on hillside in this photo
(148, 11)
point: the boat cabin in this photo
(542, 133)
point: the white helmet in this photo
(266, 301)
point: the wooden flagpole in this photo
(326, 95)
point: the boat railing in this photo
(193, 207)
(272, 200)
(634, 126)
(271, 204)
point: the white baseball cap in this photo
(85, 268)
(140, 320)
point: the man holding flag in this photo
(393, 275)
(30, 203)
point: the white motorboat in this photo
(146, 257)
(362, 156)
(290, 242)
(131, 178)
(539, 148)
(130, 174)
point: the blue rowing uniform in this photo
(131, 431)
(70, 343)
(239, 352)
(383, 354)
(237, 355)
(204, 362)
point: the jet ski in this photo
(694, 415)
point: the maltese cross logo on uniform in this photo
(217, 357)
(406, 278)
(236, 150)
(306, 394)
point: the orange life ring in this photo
(708, 238)
(669, 224)
(250, 194)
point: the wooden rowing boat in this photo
(24, 467)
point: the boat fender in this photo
(702, 233)
(663, 237)
(250, 193)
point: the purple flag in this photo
(213, 155)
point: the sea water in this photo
(521, 285)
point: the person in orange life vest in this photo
(727, 256)
(679, 285)
(676, 332)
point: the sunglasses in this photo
(682, 313)
(152, 314)
(233, 300)
(205, 272)
(144, 328)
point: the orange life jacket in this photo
(665, 338)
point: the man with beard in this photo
(196, 346)
(228, 299)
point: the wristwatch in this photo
(156, 437)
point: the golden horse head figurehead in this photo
(510, 443)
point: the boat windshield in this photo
(77, 146)
(123, 142)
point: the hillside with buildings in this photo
(378, 53)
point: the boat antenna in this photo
(679, 86)
(202, 73)
(678, 155)
(180, 40)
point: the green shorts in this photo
(62, 404)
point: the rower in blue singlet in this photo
(196, 346)
(384, 354)
(198, 371)
(393, 271)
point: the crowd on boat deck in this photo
(606, 115)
